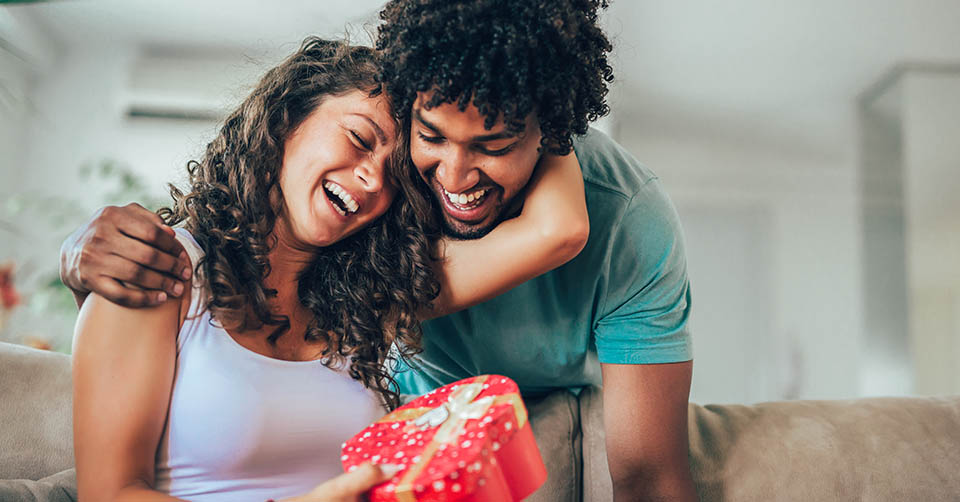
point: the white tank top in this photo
(244, 426)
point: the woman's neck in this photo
(287, 260)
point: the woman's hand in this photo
(351, 486)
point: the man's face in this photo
(475, 173)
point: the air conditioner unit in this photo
(178, 85)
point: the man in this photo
(485, 87)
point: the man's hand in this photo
(127, 255)
(349, 487)
(645, 420)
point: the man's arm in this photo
(127, 255)
(643, 344)
(551, 230)
(645, 418)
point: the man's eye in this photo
(364, 144)
(430, 139)
(496, 153)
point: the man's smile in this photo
(464, 201)
(471, 207)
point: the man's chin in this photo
(467, 231)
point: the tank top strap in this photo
(197, 318)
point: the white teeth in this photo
(462, 198)
(344, 196)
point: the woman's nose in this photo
(370, 176)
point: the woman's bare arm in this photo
(550, 231)
(122, 383)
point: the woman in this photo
(307, 272)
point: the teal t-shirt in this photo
(625, 299)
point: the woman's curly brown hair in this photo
(512, 57)
(365, 290)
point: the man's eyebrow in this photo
(376, 128)
(477, 139)
(416, 115)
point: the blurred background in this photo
(812, 150)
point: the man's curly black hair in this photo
(514, 57)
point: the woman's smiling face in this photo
(334, 175)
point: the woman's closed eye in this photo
(362, 143)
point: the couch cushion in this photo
(555, 420)
(36, 431)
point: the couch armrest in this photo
(36, 436)
(61, 487)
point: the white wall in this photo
(14, 80)
(931, 128)
(774, 250)
(887, 360)
(24, 55)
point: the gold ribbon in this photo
(451, 418)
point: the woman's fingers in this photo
(351, 486)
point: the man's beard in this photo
(460, 231)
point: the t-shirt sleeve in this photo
(643, 317)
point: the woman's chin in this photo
(323, 239)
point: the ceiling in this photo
(783, 72)
(215, 24)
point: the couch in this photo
(880, 449)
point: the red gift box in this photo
(468, 441)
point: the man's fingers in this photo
(128, 297)
(145, 226)
(155, 217)
(152, 257)
(151, 233)
(135, 274)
